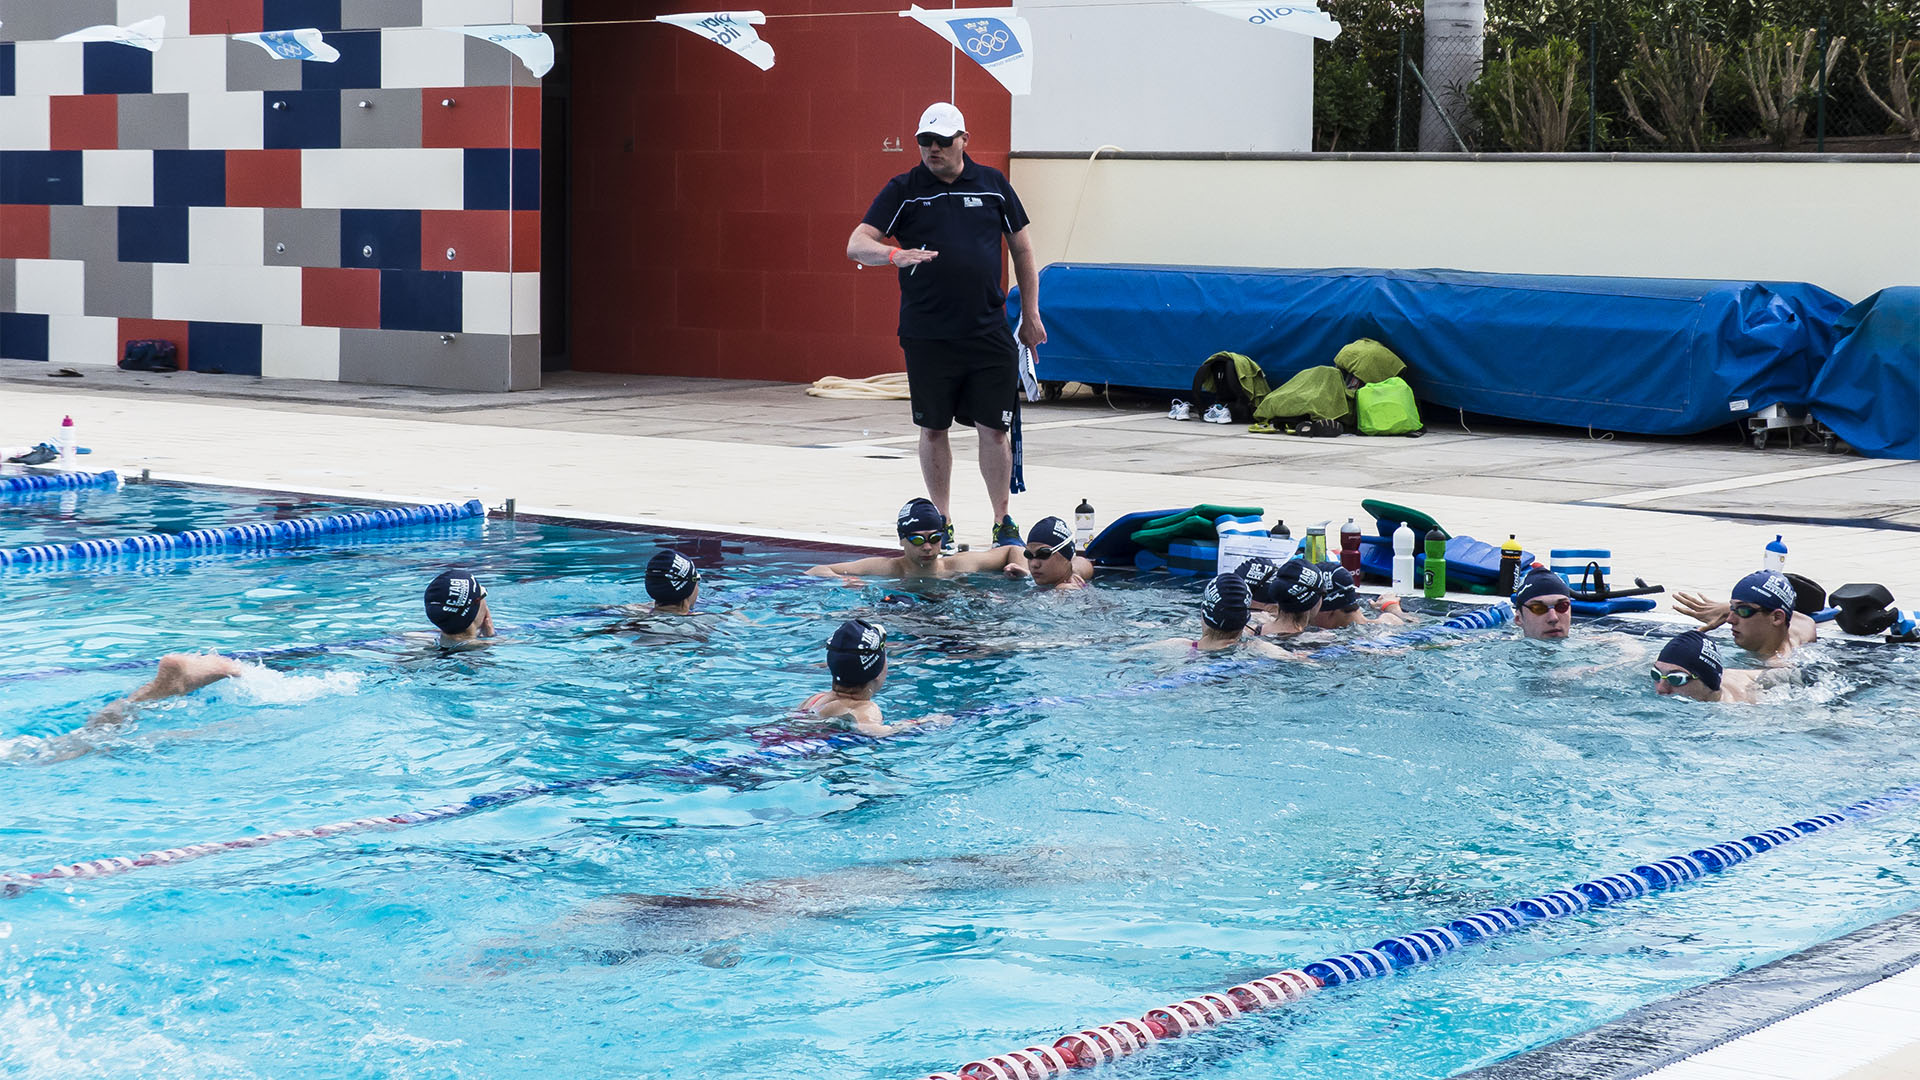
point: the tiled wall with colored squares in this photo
(374, 219)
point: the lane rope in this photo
(14, 485)
(1104, 1043)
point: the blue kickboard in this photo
(1614, 606)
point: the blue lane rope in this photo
(807, 746)
(13, 485)
(252, 535)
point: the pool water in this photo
(882, 910)
(62, 517)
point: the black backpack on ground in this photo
(149, 354)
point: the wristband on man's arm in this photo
(891, 252)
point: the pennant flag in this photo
(734, 29)
(1297, 19)
(304, 44)
(534, 48)
(995, 38)
(145, 34)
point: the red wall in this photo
(712, 201)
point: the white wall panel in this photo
(217, 120)
(117, 177)
(190, 65)
(526, 303)
(83, 339)
(300, 352)
(53, 68)
(243, 294)
(383, 179)
(50, 286)
(176, 12)
(26, 123)
(466, 12)
(422, 57)
(226, 235)
(487, 302)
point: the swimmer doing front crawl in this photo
(177, 675)
(922, 529)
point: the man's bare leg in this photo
(936, 467)
(996, 468)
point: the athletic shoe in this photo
(947, 546)
(1217, 414)
(1180, 411)
(1007, 534)
(39, 455)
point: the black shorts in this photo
(972, 380)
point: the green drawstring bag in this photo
(1388, 408)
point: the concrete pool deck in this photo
(1692, 514)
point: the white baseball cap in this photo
(942, 119)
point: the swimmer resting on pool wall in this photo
(857, 660)
(1225, 608)
(178, 674)
(922, 529)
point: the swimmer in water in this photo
(673, 583)
(457, 605)
(1051, 558)
(178, 674)
(1225, 609)
(857, 661)
(1292, 594)
(1760, 614)
(1690, 667)
(922, 530)
(1543, 606)
(1343, 607)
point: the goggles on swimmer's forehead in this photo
(1675, 679)
(922, 539)
(1541, 607)
(928, 138)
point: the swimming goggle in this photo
(1675, 679)
(928, 138)
(1541, 607)
(1041, 553)
(922, 539)
(1747, 611)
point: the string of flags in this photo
(996, 38)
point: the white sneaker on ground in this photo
(1217, 414)
(1180, 411)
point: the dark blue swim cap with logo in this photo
(1540, 582)
(1297, 586)
(857, 652)
(1052, 533)
(1342, 594)
(1692, 652)
(1225, 605)
(453, 601)
(671, 577)
(1767, 589)
(920, 516)
(1258, 573)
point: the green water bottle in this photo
(1436, 575)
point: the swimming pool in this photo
(895, 908)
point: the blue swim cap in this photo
(453, 601)
(1342, 594)
(1692, 652)
(1541, 582)
(1224, 606)
(1258, 573)
(857, 652)
(920, 516)
(1768, 589)
(1296, 586)
(671, 577)
(1052, 533)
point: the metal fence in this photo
(1812, 76)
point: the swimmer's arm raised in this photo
(1711, 613)
(876, 564)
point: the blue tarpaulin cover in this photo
(1869, 390)
(1646, 355)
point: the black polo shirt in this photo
(958, 294)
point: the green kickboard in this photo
(1386, 511)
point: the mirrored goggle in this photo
(1541, 607)
(1675, 679)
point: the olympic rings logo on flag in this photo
(986, 39)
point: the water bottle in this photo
(69, 445)
(1403, 560)
(1436, 563)
(1316, 548)
(1350, 547)
(1279, 530)
(1509, 567)
(1776, 556)
(1083, 525)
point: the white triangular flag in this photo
(145, 34)
(734, 29)
(997, 39)
(307, 44)
(1297, 18)
(534, 48)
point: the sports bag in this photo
(149, 354)
(1233, 380)
(1387, 408)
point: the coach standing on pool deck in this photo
(949, 214)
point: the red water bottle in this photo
(1350, 546)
